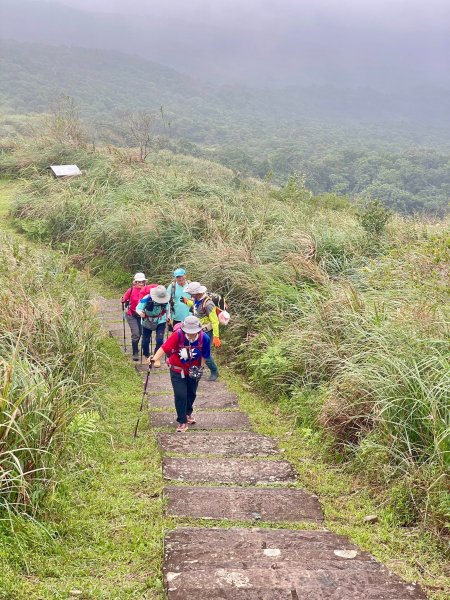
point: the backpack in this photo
(181, 343)
(220, 305)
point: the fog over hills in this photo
(384, 44)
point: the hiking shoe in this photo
(213, 376)
(191, 419)
(136, 357)
(157, 364)
(182, 427)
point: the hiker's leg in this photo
(146, 333)
(180, 395)
(210, 361)
(135, 328)
(192, 385)
(159, 334)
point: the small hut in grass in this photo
(61, 171)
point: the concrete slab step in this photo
(221, 444)
(262, 564)
(277, 584)
(157, 383)
(243, 504)
(213, 470)
(202, 402)
(204, 420)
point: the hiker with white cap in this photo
(205, 309)
(178, 311)
(153, 309)
(188, 348)
(131, 299)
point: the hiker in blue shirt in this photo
(178, 311)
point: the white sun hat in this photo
(195, 288)
(140, 277)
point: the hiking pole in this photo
(143, 398)
(123, 321)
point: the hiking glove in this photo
(216, 342)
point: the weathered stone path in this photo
(221, 470)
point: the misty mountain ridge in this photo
(356, 142)
(103, 81)
(329, 52)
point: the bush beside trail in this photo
(348, 321)
(49, 346)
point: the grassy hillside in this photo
(349, 142)
(342, 313)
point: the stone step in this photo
(221, 444)
(157, 383)
(210, 470)
(205, 420)
(280, 584)
(263, 564)
(116, 328)
(243, 504)
(202, 401)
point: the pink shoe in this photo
(191, 419)
(182, 427)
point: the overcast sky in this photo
(413, 15)
(293, 41)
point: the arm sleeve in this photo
(206, 346)
(142, 302)
(127, 295)
(214, 319)
(171, 343)
(169, 308)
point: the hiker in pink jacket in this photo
(131, 299)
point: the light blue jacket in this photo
(157, 315)
(180, 310)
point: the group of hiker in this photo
(192, 318)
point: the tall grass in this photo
(48, 353)
(318, 304)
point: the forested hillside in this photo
(359, 143)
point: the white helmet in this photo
(140, 277)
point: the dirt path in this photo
(221, 473)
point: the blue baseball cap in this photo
(179, 272)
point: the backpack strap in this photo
(181, 343)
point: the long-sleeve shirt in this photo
(133, 296)
(177, 348)
(154, 313)
(179, 311)
(205, 310)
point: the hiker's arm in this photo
(157, 356)
(169, 315)
(214, 320)
(140, 307)
(188, 301)
(206, 349)
(166, 348)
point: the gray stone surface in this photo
(213, 470)
(263, 564)
(237, 444)
(221, 401)
(243, 504)
(158, 382)
(205, 420)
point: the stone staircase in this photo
(220, 470)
